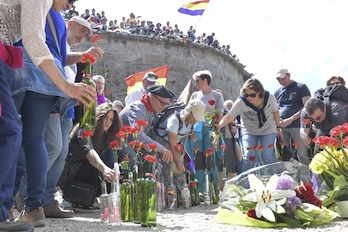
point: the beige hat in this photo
(117, 103)
(83, 22)
(282, 73)
(197, 108)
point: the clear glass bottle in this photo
(114, 205)
(208, 194)
(172, 194)
(185, 195)
(161, 191)
(104, 206)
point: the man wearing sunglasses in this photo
(157, 98)
(323, 116)
(291, 97)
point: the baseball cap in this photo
(150, 76)
(83, 22)
(197, 108)
(282, 73)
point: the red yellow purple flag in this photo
(194, 8)
(134, 81)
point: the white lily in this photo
(267, 196)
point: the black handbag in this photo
(79, 193)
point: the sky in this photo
(308, 37)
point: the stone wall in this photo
(128, 54)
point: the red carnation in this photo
(211, 102)
(252, 158)
(142, 123)
(121, 134)
(150, 158)
(114, 144)
(223, 147)
(95, 38)
(86, 134)
(209, 151)
(152, 146)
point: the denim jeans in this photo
(10, 143)
(35, 109)
(264, 156)
(58, 163)
(203, 145)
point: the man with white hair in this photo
(149, 79)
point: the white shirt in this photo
(135, 95)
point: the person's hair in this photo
(227, 102)
(341, 80)
(204, 74)
(98, 77)
(253, 84)
(313, 104)
(101, 111)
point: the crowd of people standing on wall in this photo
(135, 25)
(37, 139)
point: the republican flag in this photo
(194, 8)
(184, 96)
(134, 81)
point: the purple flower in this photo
(291, 204)
(316, 183)
(285, 182)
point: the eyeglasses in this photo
(252, 95)
(165, 104)
(71, 1)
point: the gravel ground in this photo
(199, 218)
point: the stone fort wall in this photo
(128, 54)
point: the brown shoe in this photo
(56, 211)
(36, 217)
(11, 212)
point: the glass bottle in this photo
(207, 191)
(185, 194)
(104, 207)
(126, 198)
(161, 190)
(224, 178)
(114, 205)
(139, 173)
(214, 194)
(194, 190)
(87, 114)
(172, 194)
(148, 215)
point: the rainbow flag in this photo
(194, 8)
(134, 81)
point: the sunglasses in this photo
(165, 104)
(252, 95)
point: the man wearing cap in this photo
(149, 79)
(291, 98)
(151, 103)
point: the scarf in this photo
(260, 111)
(145, 99)
(11, 55)
(101, 99)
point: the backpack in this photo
(337, 92)
(157, 122)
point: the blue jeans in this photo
(10, 143)
(266, 156)
(58, 163)
(35, 109)
(204, 145)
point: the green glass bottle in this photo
(138, 193)
(149, 199)
(194, 190)
(214, 194)
(87, 114)
(126, 198)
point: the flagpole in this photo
(201, 15)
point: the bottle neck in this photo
(103, 187)
(113, 187)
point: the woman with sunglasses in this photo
(259, 123)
